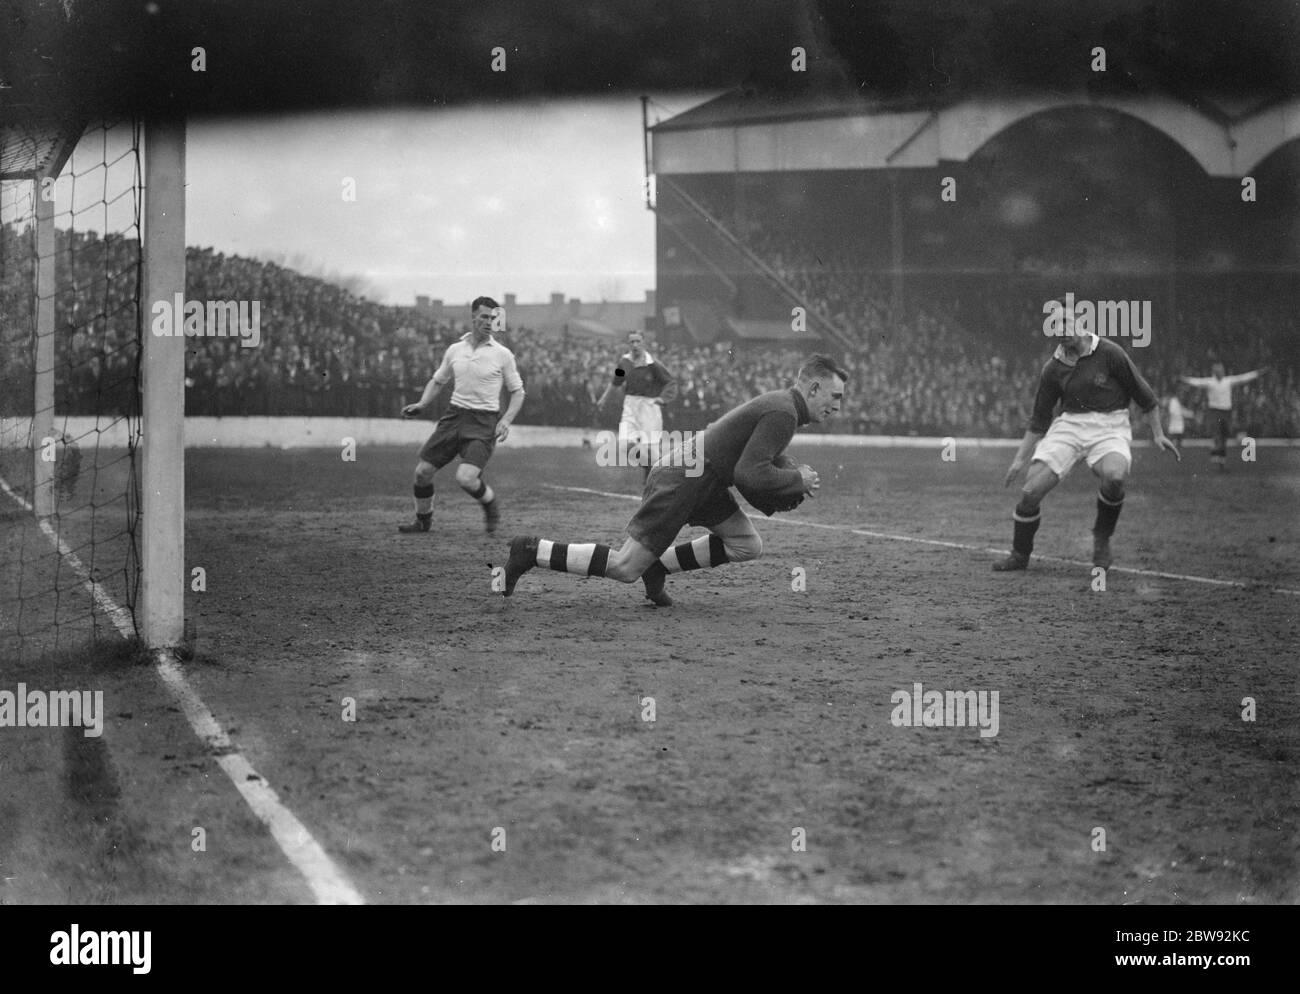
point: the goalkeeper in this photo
(743, 448)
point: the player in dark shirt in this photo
(743, 448)
(646, 386)
(1095, 381)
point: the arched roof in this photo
(748, 132)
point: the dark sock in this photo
(1107, 515)
(705, 551)
(1026, 521)
(423, 500)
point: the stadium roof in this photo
(749, 106)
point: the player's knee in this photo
(1030, 498)
(1112, 487)
(467, 476)
(424, 474)
(744, 548)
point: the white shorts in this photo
(1089, 436)
(642, 420)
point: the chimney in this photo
(422, 302)
(510, 301)
(575, 307)
(436, 307)
(557, 301)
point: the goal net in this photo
(71, 275)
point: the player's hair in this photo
(480, 301)
(819, 366)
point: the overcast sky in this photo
(527, 199)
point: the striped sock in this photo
(423, 499)
(1107, 515)
(1027, 520)
(483, 494)
(705, 551)
(586, 559)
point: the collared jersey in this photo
(1104, 379)
(646, 379)
(479, 373)
(741, 445)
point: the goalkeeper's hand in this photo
(811, 481)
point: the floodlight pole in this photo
(162, 481)
(43, 367)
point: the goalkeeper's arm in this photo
(758, 471)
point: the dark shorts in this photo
(672, 500)
(472, 435)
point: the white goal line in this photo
(327, 882)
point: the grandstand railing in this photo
(738, 249)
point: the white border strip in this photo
(326, 880)
(1159, 574)
(328, 432)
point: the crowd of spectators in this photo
(952, 362)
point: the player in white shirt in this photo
(1218, 389)
(478, 365)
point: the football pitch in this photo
(445, 744)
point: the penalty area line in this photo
(1131, 570)
(327, 882)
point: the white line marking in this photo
(326, 880)
(1159, 574)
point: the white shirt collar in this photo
(649, 359)
(1092, 347)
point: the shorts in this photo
(472, 435)
(672, 500)
(642, 419)
(1088, 436)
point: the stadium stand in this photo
(962, 360)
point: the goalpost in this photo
(92, 231)
(162, 590)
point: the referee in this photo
(478, 365)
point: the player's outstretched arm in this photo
(1254, 374)
(1027, 444)
(1158, 433)
(430, 391)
